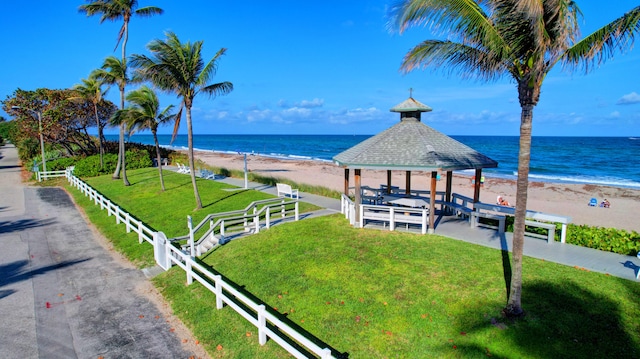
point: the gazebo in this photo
(410, 145)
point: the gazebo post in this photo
(388, 181)
(358, 200)
(346, 182)
(476, 188)
(449, 183)
(432, 202)
(408, 184)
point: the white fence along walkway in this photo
(166, 255)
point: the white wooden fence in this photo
(166, 255)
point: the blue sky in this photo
(317, 67)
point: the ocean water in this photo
(612, 161)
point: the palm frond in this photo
(604, 43)
(468, 61)
(149, 11)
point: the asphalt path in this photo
(64, 295)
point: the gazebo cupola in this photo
(410, 108)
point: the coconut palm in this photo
(144, 114)
(114, 72)
(91, 90)
(114, 10)
(178, 68)
(524, 40)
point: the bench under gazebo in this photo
(412, 146)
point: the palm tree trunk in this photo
(100, 149)
(116, 173)
(158, 158)
(125, 180)
(514, 302)
(191, 160)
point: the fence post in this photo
(297, 211)
(189, 271)
(326, 354)
(218, 293)
(191, 243)
(117, 212)
(127, 222)
(256, 220)
(267, 217)
(140, 238)
(38, 177)
(262, 325)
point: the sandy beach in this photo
(557, 198)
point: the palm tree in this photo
(178, 68)
(521, 39)
(145, 114)
(91, 90)
(114, 10)
(114, 72)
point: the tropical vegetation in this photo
(522, 40)
(144, 113)
(91, 90)
(115, 10)
(179, 68)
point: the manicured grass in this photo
(379, 294)
(162, 211)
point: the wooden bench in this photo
(285, 189)
(550, 227)
(459, 205)
(393, 216)
(533, 219)
(502, 219)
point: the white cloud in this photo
(316, 102)
(629, 99)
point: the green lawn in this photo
(377, 294)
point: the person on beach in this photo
(503, 202)
(605, 204)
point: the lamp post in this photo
(39, 116)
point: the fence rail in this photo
(166, 255)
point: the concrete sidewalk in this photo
(62, 295)
(617, 265)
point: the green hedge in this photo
(606, 239)
(90, 166)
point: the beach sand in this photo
(556, 198)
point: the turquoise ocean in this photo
(611, 161)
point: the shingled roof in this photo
(410, 145)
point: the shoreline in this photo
(566, 199)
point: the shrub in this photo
(90, 166)
(60, 164)
(606, 239)
(138, 158)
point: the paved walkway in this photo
(62, 295)
(571, 255)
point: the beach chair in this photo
(593, 202)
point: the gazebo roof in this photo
(411, 105)
(411, 145)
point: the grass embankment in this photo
(377, 294)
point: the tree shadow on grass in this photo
(568, 321)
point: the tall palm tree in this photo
(91, 90)
(114, 10)
(114, 72)
(178, 68)
(491, 39)
(144, 114)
